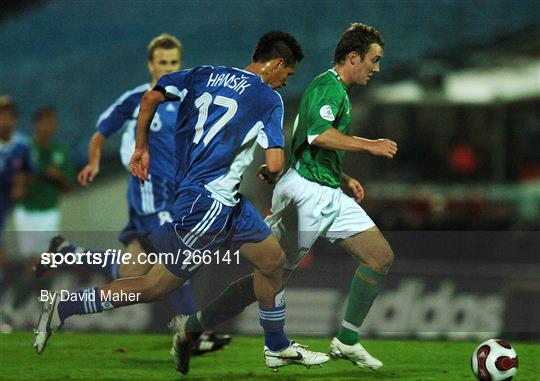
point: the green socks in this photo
(364, 289)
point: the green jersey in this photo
(325, 105)
(43, 193)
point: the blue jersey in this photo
(15, 158)
(157, 194)
(224, 113)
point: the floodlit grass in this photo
(133, 357)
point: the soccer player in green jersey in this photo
(311, 187)
(37, 213)
(312, 184)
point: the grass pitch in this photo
(134, 357)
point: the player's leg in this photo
(258, 246)
(268, 277)
(129, 236)
(34, 227)
(296, 232)
(134, 268)
(375, 257)
(268, 258)
(366, 244)
(122, 292)
(60, 245)
(180, 298)
(266, 287)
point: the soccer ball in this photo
(494, 360)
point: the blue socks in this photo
(82, 302)
(273, 320)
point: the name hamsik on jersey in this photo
(157, 194)
(224, 113)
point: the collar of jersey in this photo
(338, 78)
(245, 71)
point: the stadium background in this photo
(459, 90)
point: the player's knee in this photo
(383, 260)
(273, 264)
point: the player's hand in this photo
(139, 164)
(357, 189)
(383, 147)
(264, 175)
(87, 174)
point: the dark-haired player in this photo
(311, 187)
(224, 113)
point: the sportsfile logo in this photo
(184, 258)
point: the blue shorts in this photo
(202, 223)
(139, 226)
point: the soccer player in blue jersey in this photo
(224, 112)
(150, 205)
(308, 202)
(15, 165)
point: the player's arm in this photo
(275, 161)
(271, 139)
(335, 140)
(140, 160)
(354, 186)
(95, 148)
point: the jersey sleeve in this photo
(324, 105)
(175, 85)
(271, 135)
(116, 115)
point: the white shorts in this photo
(303, 211)
(35, 229)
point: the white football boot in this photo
(182, 343)
(356, 353)
(48, 323)
(295, 353)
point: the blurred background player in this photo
(311, 191)
(15, 166)
(224, 113)
(149, 205)
(38, 210)
(37, 213)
